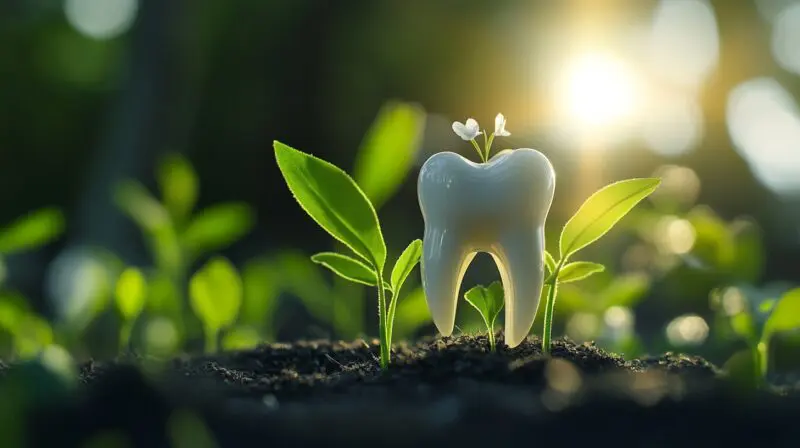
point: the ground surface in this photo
(439, 392)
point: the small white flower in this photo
(467, 131)
(500, 126)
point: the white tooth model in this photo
(499, 207)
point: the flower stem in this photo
(489, 145)
(478, 148)
(492, 343)
(548, 310)
(382, 320)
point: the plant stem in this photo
(125, 335)
(548, 310)
(478, 148)
(761, 362)
(492, 343)
(489, 145)
(390, 316)
(382, 319)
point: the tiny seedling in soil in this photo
(757, 325)
(489, 302)
(335, 202)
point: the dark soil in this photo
(438, 392)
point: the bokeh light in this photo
(764, 123)
(785, 38)
(673, 126)
(674, 235)
(101, 19)
(689, 329)
(771, 9)
(684, 42)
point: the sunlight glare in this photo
(600, 90)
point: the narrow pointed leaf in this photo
(179, 185)
(334, 201)
(549, 262)
(578, 270)
(347, 267)
(217, 227)
(33, 230)
(601, 211)
(405, 264)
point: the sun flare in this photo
(598, 90)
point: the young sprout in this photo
(216, 296)
(489, 302)
(335, 202)
(758, 324)
(470, 130)
(131, 292)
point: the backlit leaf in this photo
(549, 262)
(347, 267)
(218, 226)
(578, 270)
(179, 185)
(785, 315)
(33, 230)
(387, 151)
(487, 300)
(131, 292)
(216, 293)
(601, 211)
(405, 264)
(334, 201)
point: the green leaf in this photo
(179, 185)
(131, 292)
(743, 325)
(601, 211)
(387, 151)
(262, 287)
(216, 293)
(624, 290)
(785, 316)
(405, 264)
(33, 230)
(334, 201)
(487, 300)
(240, 338)
(578, 270)
(549, 262)
(347, 267)
(217, 227)
(134, 199)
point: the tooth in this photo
(498, 207)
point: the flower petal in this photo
(500, 126)
(467, 131)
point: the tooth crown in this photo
(498, 207)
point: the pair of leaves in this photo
(354, 270)
(216, 293)
(488, 301)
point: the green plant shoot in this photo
(595, 217)
(778, 316)
(489, 302)
(131, 292)
(335, 202)
(216, 296)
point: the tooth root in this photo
(519, 258)
(444, 261)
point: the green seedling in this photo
(594, 218)
(489, 302)
(758, 323)
(216, 296)
(335, 202)
(131, 293)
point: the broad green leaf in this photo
(387, 151)
(487, 300)
(179, 185)
(624, 290)
(744, 327)
(405, 264)
(549, 262)
(334, 201)
(785, 315)
(217, 227)
(216, 293)
(601, 211)
(134, 199)
(347, 267)
(579, 270)
(412, 314)
(131, 292)
(33, 230)
(240, 338)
